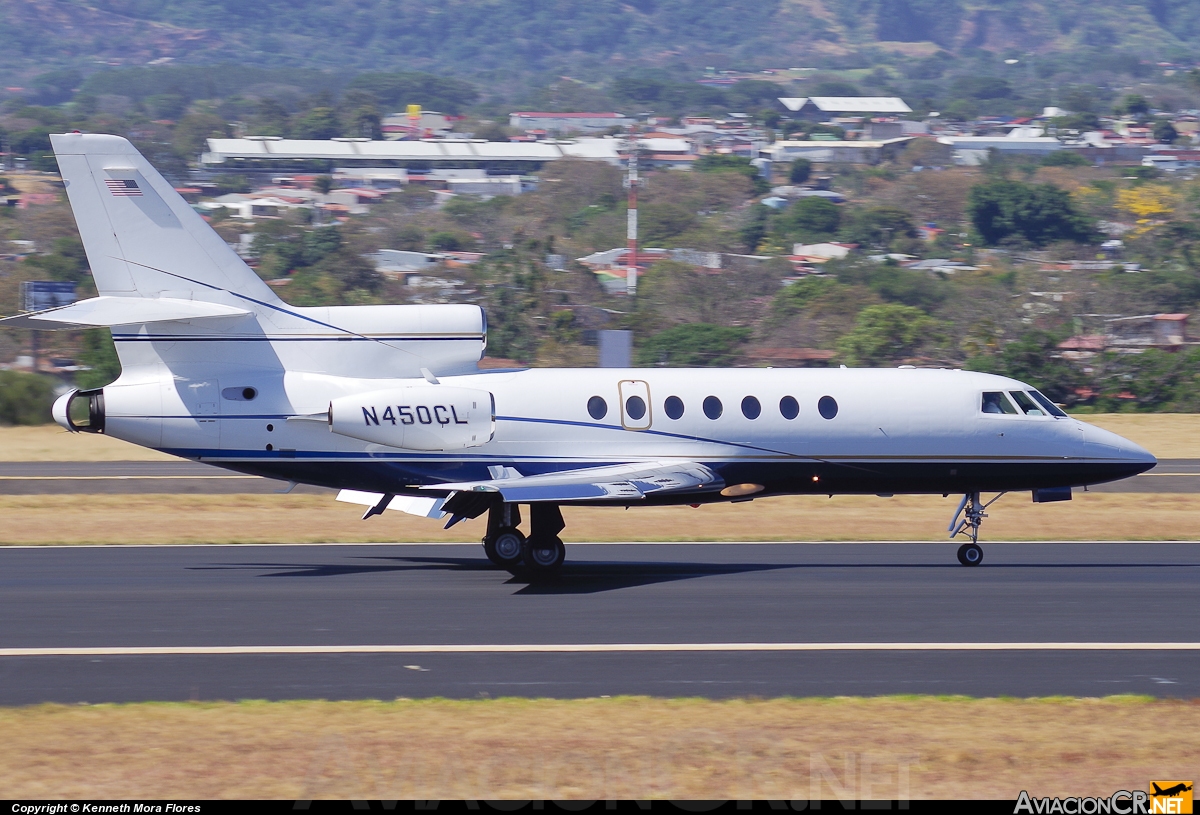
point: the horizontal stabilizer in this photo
(424, 507)
(110, 311)
(619, 481)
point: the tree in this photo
(835, 87)
(195, 129)
(270, 119)
(661, 221)
(1165, 132)
(693, 345)
(448, 241)
(1064, 158)
(318, 123)
(397, 90)
(25, 398)
(350, 269)
(323, 184)
(1034, 358)
(409, 238)
(492, 131)
(99, 355)
(67, 262)
(800, 171)
(362, 122)
(878, 226)
(886, 333)
(1134, 104)
(1034, 213)
(754, 228)
(810, 219)
(725, 163)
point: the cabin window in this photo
(997, 402)
(712, 407)
(789, 408)
(751, 408)
(1026, 404)
(597, 408)
(635, 407)
(827, 407)
(1051, 408)
(673, 407)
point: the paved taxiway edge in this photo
(571, 648)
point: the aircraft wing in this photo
(619, 481)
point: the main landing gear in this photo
(539, 555)
(971, 511)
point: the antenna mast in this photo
(631, 181)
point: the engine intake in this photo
(80, 411)
(435, 417)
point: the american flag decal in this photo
(122, 187)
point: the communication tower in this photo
(631, 231)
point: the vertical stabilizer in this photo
(142, 239)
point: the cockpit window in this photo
(1054, 409)
(996, 402)
(1027, 404)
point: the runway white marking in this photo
(576, 648)
(283, 544)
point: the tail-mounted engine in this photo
(436, 417)
(80, 411)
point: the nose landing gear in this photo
(971, 511)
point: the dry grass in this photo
(597, 748)
(117, 519)
(52, 443)
(1167, 435)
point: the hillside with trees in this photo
(588, 39)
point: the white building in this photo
(830, 151)
(1029, 141)
(559, 123)
(821, 108)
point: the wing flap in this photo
(110, 311)
(413, 505)
(620, 481)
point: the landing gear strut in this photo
(539, 555)
(971, 511)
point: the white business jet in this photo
(386, 403)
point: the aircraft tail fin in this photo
(142, 239)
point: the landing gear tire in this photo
(970, 554)
(544, 555)
(505, 547)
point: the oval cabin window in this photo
(597, 408)
(673, 407)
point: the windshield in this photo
(1052, 408)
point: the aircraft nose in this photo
(1100, 443)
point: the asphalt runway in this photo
(714, 620)
(83, 477)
